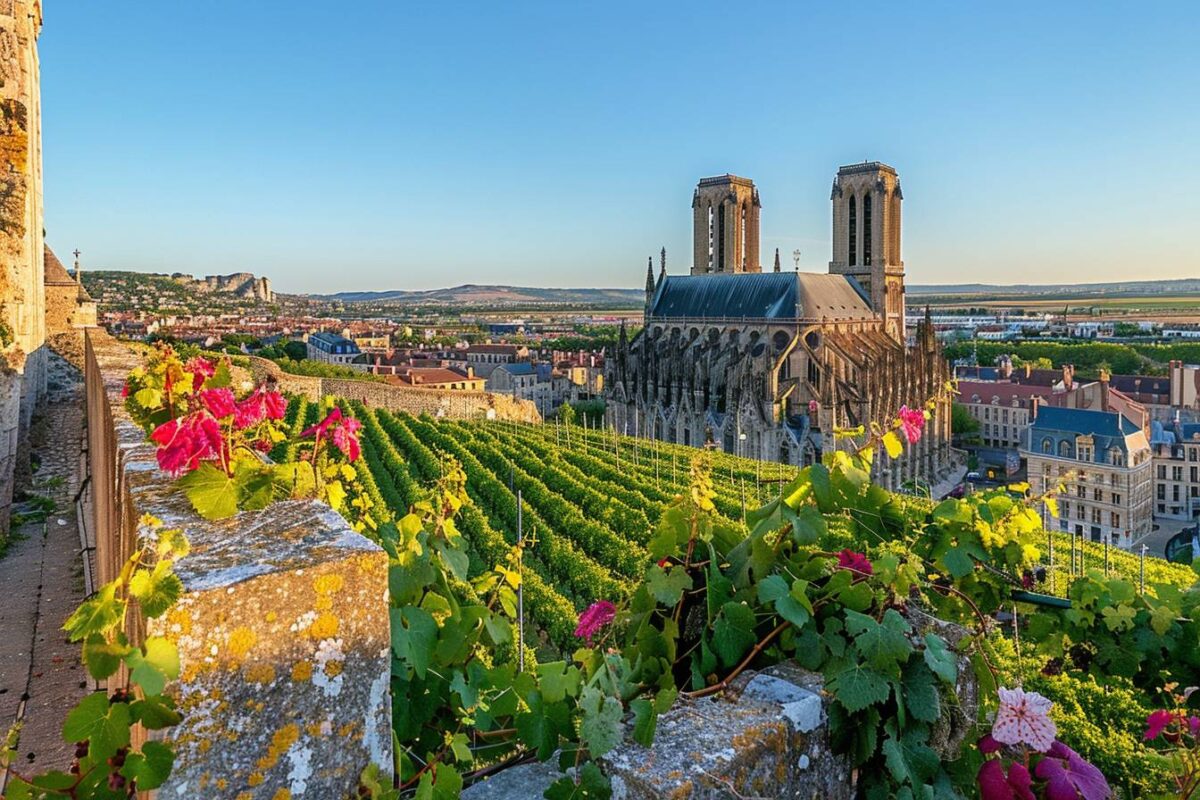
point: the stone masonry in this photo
(282, 628)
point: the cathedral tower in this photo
(725, 213)
(866, 237)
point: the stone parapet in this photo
(442, 403)
(282, 627)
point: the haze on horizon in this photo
(388, 147)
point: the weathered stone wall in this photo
(22, 310)
(451, 404)
(282, 627)
(65, 311)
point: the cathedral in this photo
(769, 365)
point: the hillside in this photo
(119, 290)
(499, 296)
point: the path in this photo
(41, 583)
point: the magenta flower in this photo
(186, 441)
(813, 407)
(259, 405)
(342, 430)
(1023, 718)
(1193, 726)
(912, 422)
(1069, 777)
(597, 616)
(220, 402)
(856, 563)
(995, 784)
(202, 369)
(1157, 722)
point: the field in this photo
(590, 500)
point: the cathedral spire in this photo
(649, 278)
(777, 259)
(662, 261)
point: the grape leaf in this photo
(940, 659)
(856, 687)
(600, 730)
(733, 632)
(156, 590)
(883, 644)
(150, 767)
(668, 586)
(414, 634)
(104, 726)
(213, 494)
(151, 670)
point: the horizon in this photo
(423, 148)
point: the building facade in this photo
(770, 365)
(332, 348)
(1103, 461)
(1176, 447)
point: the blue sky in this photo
(372, 145)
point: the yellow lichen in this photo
(272, 616)
(260, 673)
(255, 778)
(333, 668)
(240, 642)
(325, 627)
(302, 671)
(328, 584)
(282, 794)
(283, 739)
(324, 603)
(182, 618)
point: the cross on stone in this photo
(76, 253)
(796, 259)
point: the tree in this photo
(962, 423)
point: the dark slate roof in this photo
(760, 295)
(1190, 431)
(520, 368)
(1078, 420)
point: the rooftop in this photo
(760, 295)
(1078, 420)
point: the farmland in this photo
(590, 501)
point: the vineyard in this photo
(590, 500)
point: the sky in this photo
(337, 146)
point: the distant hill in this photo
(118, 289)
(496, 295)
(1119, 288)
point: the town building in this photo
(436, 378)
(1176, 448)
(519, 380)
(770, 365)
(484, 358)
(1104, 462)
(332, 348)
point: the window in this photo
(1193, 474)
(1098, 495)
(1085, 452)
(1066, 509)
(1081, 491)
(1192, 456)
(1162, 492)
(1006, 415)
(1162, 472)
(1096, 516)
(721, 238)
(1176, 473)
(1114, 457)
(867, 229)
(1047, 445)
(1064, 449)
(1116, 499)
(1175, 492)
(853, 258)
(1116, 520)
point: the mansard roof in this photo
(1081, 421)
(784, 296)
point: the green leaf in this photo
(645, 721)
(808, 525)
(150, 767)
(668, 586)
(414, 634)
(558, 681)
(155, 712)
(958, 563)
(772, 588)
(733, 632)
(461, 748)
(543, 724)
(822, 488)
(600, 730)
(882, 644)
(156, 590)
(148, 398)
(921, 696)
(158, 664)
(593, 785)
(856, 687)
(96, 614)
(101, 657)
(940, 659)
(212, 493)
(104, 726)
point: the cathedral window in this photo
(867, 229)
(853, 259)
(721, 238)
(711, 238)
(742, 238)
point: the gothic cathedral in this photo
(769, 365)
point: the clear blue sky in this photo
(371, 145)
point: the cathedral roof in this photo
(761, 295)
(55, 272)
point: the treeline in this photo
(1088, 357)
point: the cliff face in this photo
(239, 284)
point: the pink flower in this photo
(1069, 777)
(321, 427)
(259, 405)
(1023, 718)
(856, 563)
(219, 402)
(596, 616)
(912, 422)
(186, 441)
(1193, 726)
(345, 437)
(988, 744)
(202, 369)
(813, 407)
(125, 389)
(994, 784)
(1157, 722)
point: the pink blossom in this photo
(259, 405)
(1157, 722)
(219, 402)
(324, 425)
(1023, 718)
(813, 407)
(125, 389)
(597, 615)
(1194, 726)
(995, 784)
(186, 441)
(345, 437)
(1069, 777)
(988, 744)
(202, 369)
(856, 563)
(912, 422)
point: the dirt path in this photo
(41, 583)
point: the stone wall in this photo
(282, 628)
(22, 312)
(451, 404)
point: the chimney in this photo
(1068, 374)
(1104, 376)
(1028, 370)
(1006, 367)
